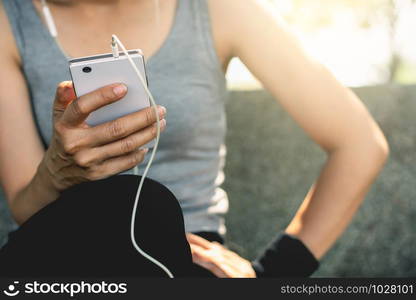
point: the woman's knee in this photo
(93, 216)
(113, 198)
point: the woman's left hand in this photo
(218, 259)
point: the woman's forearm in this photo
(34, 196)
(333, 200)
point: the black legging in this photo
(86, 232)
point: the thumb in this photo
(65, 94)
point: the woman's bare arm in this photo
(21, 149)
(31, 177)
(330, 114)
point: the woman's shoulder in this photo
(229, 17)
(225, 17)
(7, 40)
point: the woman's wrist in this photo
(38, 193)
(286, 256)
(44, 183)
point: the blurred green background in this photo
(271, 164)
(368, 45)
(362, 42)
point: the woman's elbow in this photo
(369, 151)
(380, 148)
(373, 152)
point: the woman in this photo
(188, 51)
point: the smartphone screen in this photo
(93, 72)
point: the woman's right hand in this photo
(79, 152)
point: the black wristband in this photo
(286, 256)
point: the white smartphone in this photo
(93, 72)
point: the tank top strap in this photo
(191, 34)
(30, 33)
(200, 11)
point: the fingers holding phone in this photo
(79, 152)
(79, 110)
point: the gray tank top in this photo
(185, 76)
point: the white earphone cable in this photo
(49, 19)
(115, 42)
